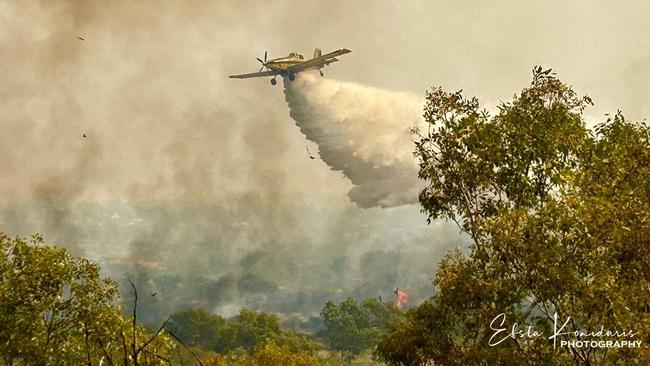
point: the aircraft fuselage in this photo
(292, 64)
(283, 63)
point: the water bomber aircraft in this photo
(290, 65)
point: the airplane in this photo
(291, 65)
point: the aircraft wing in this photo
(318, 61)
(255, 75)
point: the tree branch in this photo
(135, 319)
(186, 346)
(155, 335)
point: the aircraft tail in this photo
(317, 52)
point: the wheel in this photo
(292, 77)
(273, 81)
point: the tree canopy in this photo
(248, 331)
(55, 309)
(353, 328)
(558, 215)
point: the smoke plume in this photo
(199, 186)
(362, 131)
(132, 147)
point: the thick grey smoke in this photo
(196, 185)
(199, 186)
(362, 131)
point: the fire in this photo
(401, 298)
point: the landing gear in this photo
(273, 81)
(292, 76)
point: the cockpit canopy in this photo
(296, 54)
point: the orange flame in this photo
(401, 299)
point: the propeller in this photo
(263, 62)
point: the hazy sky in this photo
(145, 65)
(185, 169)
